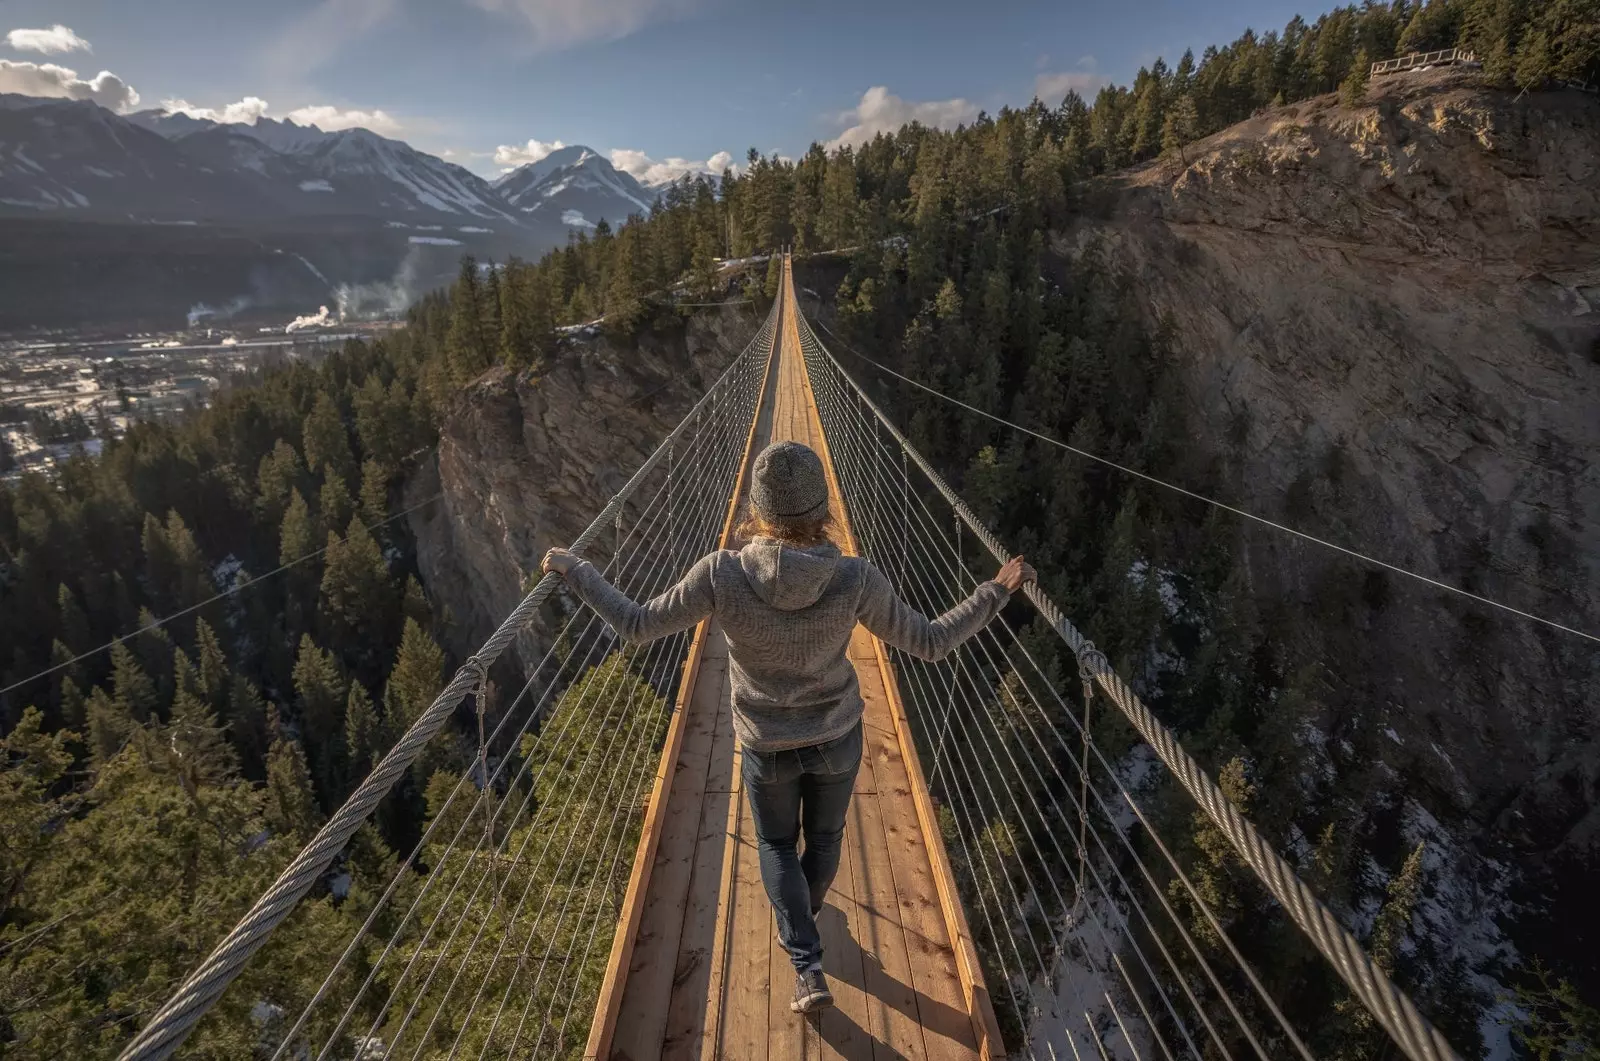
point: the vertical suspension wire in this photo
(851, 443)
(1201, 1012)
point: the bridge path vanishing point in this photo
(706, 976)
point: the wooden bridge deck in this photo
(697, 971)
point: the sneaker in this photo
(811, 992)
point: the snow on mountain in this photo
(73, 157)
(576, 185)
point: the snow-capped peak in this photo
(577, 185)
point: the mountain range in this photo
(73, 158)
(272, 214)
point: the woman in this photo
(788, 603)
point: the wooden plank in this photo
(716, 988)
(979, 1007)
(609, 1004)
(747, 983)
(890, 982)
(697, 975)
(787, 1031)
(844, 1029)
(653, 966)
(942, 1006)
(985, 1026)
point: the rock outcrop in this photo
(524, 463)
(1389, 317)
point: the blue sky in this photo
(666, 82)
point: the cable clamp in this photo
(1091, 661)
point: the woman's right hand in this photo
(1014, 573)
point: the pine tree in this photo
(334, 505)
(319, 693)
(32, 763)
(374, 497)
(623, 307)
(276, 477)
(361, 731)
(110, 726)
(213, 665)
(132, 688)
(326, 440)
(357, 598)
(774, 278)
(414, 603)
(72, 703)
(74, 624)
(297, 535)
(247, 725)
(1179, 130)
(466, 345)
(291, 803)
(203, 755)
(1353, 90)
(414, 681)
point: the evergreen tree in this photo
(291, 803)
(415, 680)
(326, 441)
(334, 505)
(1179, 129)
(774, 278)
(297, 534)
(73, 623)
(213, 665)
(320, 697)
(110, 726)
(467, 342)
(134, 692)
(357, 597)
(374, 497)
(1353, 90)
(276, 478)
(247, 725)
(361, 731)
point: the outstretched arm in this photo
(883, 612)
(677, 609)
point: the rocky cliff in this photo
(525, 462)
(1389, 320)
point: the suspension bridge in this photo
(591, 888)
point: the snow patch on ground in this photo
(316, 186)
(473, 228)
(223, 574)
(576, 219)
(436, 241)
(1076, 1009)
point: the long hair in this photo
(800, 533)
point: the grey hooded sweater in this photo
(788, 615)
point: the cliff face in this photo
(524, 464)
(1389, 320)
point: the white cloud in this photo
(244, 111)
(56, 39)
(1051, 87)
(558, 24)
(48, 79)
(880, 111)
(652, 172)
(311, 41)
(331, 119)
(514, 155)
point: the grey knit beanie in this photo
(789, 483)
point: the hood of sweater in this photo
(785, 577)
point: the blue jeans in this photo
(804, 791)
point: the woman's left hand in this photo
(559, 561)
